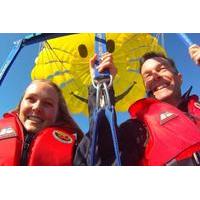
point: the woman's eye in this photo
(50, 104)
(30, 99)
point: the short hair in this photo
(153, 54)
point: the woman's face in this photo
(39, 107)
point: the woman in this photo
(40, 131)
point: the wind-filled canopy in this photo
(65, 61)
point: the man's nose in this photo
(155, 75)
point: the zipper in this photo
(27, 142)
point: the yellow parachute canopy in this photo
(65, 61)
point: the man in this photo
(194, 52)
(161, 78)
(173, 138)
(163, 129)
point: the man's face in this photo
(161, 80)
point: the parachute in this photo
(65, 61)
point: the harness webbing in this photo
(103, 104)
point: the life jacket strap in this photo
(194, 160)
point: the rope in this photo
(186, 40)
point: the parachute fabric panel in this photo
(65, 61)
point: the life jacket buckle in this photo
(196, 158)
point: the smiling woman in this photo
(39, 107)
(40, 127)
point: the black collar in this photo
(184, 102)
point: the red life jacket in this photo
(172, 135)
(51, 146)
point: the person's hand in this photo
(194, 51)
(106, 63)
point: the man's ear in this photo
(150, 94)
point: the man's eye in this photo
(163, 68)
(146, 76)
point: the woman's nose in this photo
(37, 106)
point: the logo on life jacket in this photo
(197, 105)
(62, 137)
(166, 116)
(7, 133)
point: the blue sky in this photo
(18, 77)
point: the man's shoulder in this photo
(133, 127)
(131, 123)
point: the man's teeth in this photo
(161, 87)
(35, 118)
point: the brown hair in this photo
(153, 54)
(64, 118)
